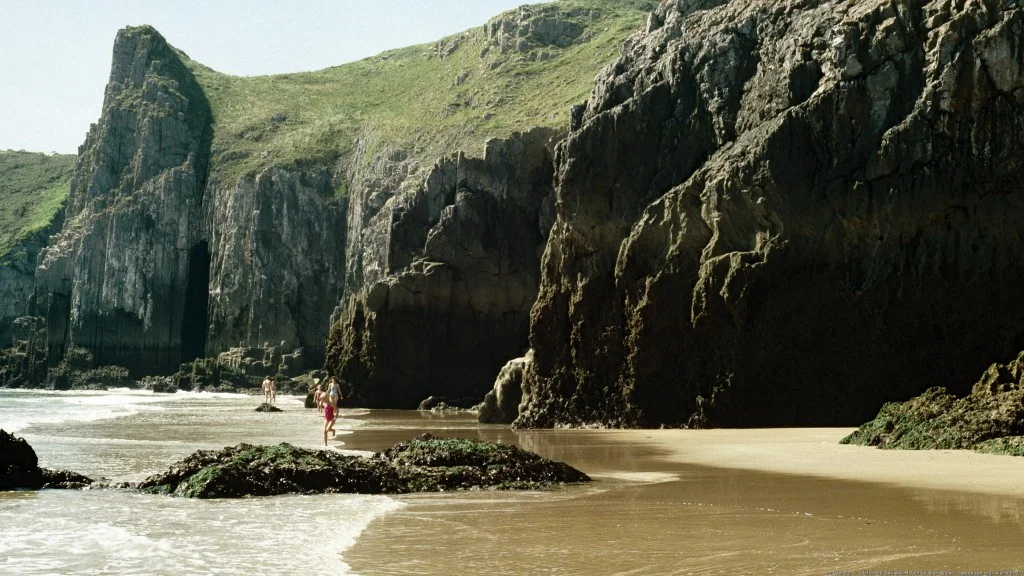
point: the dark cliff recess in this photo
(195, 323)
(461, 257)
(785, 214)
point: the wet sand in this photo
(704, 502)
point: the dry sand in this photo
(817, 452)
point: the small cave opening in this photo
(195, 322)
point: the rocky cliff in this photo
(115, 279)
(449, 272)
(784, 213)
(157, 263)
(209, 211)
(33, 189)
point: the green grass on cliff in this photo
(412, 98)
(33, 187)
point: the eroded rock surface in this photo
(784, 213)
(449, 271)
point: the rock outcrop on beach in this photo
(785, 213)
(989, 419)
(19, 468)
(426, 464)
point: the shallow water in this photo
(643, 514)
(129, 435)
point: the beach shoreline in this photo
(817, 452)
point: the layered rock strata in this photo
(785, 213)
(115, 279)
(449, 271)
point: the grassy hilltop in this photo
(33, 187)
(428, 99)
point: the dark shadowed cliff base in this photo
(785, 214)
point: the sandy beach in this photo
(787, 501)
(817, 452)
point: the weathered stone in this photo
(784, 214)
(501, 405)
(989, 419)
(264, 407)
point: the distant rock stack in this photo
(786, 213)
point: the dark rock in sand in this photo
(268, 408)
(64, 479)
(19, 468)
(426, 464)
(429, 464)
(989, 419)
(310, 401)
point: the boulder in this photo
(264, 407)
(19, 468)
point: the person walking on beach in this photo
(269, 391)
(318, 396)
(331, 403)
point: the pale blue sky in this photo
(55, 54)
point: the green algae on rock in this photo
(990, 419)
(426, 464)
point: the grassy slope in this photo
(32, 189)
(409, 98)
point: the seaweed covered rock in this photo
(426, 464)
(265, 407)
(429, 464)
(989, 419)
(19, 468)
(247, 470)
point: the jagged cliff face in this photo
(155, 265)
(785, 213)
(442, 276)
(278, 250)
(114, 280)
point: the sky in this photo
(55, 54)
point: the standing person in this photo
(266, 390)
(334, 390)
(318, 396)
(331, 399)
(273, 391)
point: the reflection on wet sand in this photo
(646, 514)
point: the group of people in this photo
(328, 401)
